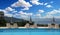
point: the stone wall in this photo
(27, 25)
(56, 25)
(11, 26)
(51, 26)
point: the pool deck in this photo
(33, 27)
(23, 27)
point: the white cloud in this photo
(9, 9)
(16, 4)
(29, 14)
(54, 11)
(38, 15)
(24, 17)
(14, 11)
(3, 10)
(36, 2)
(47, 16)
(21, 12)
(25, 9)
(48, 6)
(45, 3)
(22, 3)
(50, 16)
(24, 13)
(41, 11)
(8, 15)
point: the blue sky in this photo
(34, 8)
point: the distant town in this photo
(10, 23)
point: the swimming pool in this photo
(30, 31)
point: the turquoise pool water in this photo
(29, 31)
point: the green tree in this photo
(22, 23)
(2, 22)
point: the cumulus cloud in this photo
(38, 15)
(21, 12)
(45, 3)
(22, 3)
(3, 10)
(9, 9)
(24, 13)
(36, 2)
(14, 11)
(54, 11)
(25, 8)
(41, 11)
(48, 6)
(8, 15)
